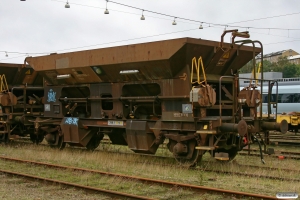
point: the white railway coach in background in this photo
(288, 99)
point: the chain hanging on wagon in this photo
(202, 94)
(197, 69)
(3, 84)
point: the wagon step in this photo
(208, 148)
(14, 137)
(206, 132)
(221, 156)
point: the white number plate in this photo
(115, 123)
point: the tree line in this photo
(288, 69)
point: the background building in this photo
(294, 59)
(267, 76)
(274, 56)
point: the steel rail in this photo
(237, 173)
(286, 156)
(169, 157)
(107, 141)
(147, 180)
(251, 175)
(224, 171)
(281, 152)
(270, 168)
(89, 188)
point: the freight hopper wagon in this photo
(21, 97)
(183, 90)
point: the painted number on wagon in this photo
(115, 123)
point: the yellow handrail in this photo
(197, 67)
(3, 84)
(257, 74)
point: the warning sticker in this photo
(28, 72)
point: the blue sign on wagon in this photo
(51, 96)
(71, 121)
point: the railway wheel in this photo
(36, 138)
(189, 162)
(94, 142)
(60, 143)
(5, 137)
(186, 154)
(56, 139)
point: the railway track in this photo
(286, 154)
(110, 193)
(290, 155)
(244, 173)
(195, 188)
(277, 139)
(285, 139)
(241, 169)
(293, 153)
(250, 174)
(199, 168)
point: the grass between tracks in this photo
(150, 168)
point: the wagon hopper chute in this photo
(141, 94)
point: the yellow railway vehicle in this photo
(293, 120)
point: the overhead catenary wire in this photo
(204, 22)
(210, 24)
(250, 20)
(100, 44)
(12, 58)
(16, 52)
(131, 39)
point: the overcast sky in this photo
(39, 27)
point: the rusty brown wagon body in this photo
(183, 90)
(19, 87)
